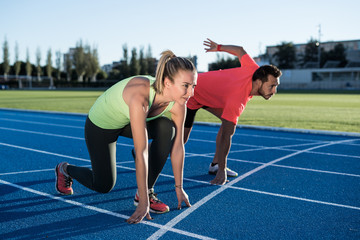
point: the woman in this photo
(133, 108)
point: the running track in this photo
(291, 185)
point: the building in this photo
(109, 67)
(352, 50)
(312, 77)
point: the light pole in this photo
(318, 45)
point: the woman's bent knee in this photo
(104, 188)
(166, 128)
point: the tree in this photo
(143, 63)
(285, 55)
(134, 63)
(101, 75)
(79, 61)
(38, 67)
(151, 62)
(221, 63)
(92, 63)
(17, 65)
(124, 66)
(49, 69)
(311, 52)
(95, 67)
(6, 61)
(28, 68)
(68, 67)
(336, 54)
(58, 64)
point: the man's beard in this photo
(262, 93)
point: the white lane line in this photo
(201, 202)
(44, 152)
(297, 198)
(100, 210)
(209, 124)
(189, 155)
(254, 147)
(40, 133)
(42, 123)
(199, 181)
(190, 139)
(263, 192)
(283, 166)
(56, 135)
(36, 115)
(208, 183)
(263, 136)
(49, 169)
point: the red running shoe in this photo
(63, 180)
(156, 206)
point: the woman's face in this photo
(183, 86)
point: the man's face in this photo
(269, 88)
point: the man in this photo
(225, 93)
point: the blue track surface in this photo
(290, 186)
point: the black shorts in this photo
(190, 116)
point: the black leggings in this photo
(101, 144)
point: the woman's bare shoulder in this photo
(137, 87)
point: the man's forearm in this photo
(237, 51)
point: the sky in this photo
(180, 26)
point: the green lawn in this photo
(328, 111)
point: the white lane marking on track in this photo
(264, 136)
(211, 154)
(297, 198)
(263, 192)
(254, 147)
(208, 155)
(42, 123)
(194, 130)
(284, 166)
(282, 138)
(36, 115)
(199, 181)
(49, 169)
(189, 155)
(100, 210)
(207, 183)
(55, 135)
(44, 152)
(201, 202)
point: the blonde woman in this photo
(133, 108)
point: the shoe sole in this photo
(56, 182)
(214, 173)
(151, 210)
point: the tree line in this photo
(286, 57)
(81, 64)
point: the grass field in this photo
(321, 111)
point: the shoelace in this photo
(68, 181)
(152, 196)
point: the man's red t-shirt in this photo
(227, 89)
